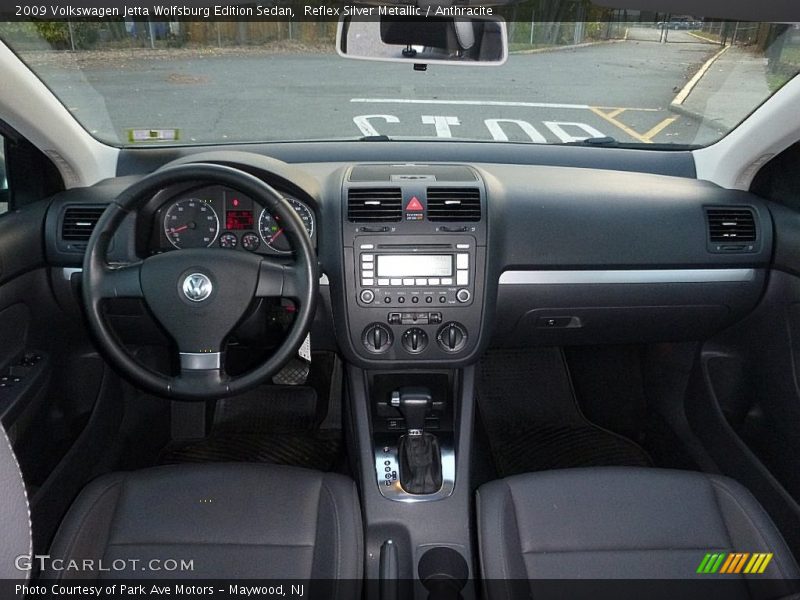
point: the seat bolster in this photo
(338, 524)
(85, 530)
(15, 515)
(749, 525)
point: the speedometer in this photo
(271, 229)
(191, 223)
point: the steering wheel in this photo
(199, 295)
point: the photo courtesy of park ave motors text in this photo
(400, 299)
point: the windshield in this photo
(625, 79)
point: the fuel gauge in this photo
(251, 241)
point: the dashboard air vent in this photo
(731, 225)
(79, 221)
(454, 204)
(374, 204)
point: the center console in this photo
(414, 287)
(414, 259)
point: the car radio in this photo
(429, 274)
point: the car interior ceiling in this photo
(553, 324)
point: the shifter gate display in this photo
(415, 265)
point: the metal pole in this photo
(533, 14)
(71, 36)
(150, 31)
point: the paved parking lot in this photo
(621, 90)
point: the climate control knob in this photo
(377, 338)
(452, 337)
(414, 340)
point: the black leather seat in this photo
(624, 523)
(230, 520)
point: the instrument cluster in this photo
(218, 216)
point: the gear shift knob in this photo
(413, 403)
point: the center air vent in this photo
(454, 204)
(79, 221)
(374, 204)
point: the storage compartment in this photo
(612, 313)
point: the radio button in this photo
(422, 282)
(367, 296)
(415, 299)
(463, 295)
(462, 277)
(462, 261)
(367, 258)
(433, 281)
(442, 299)
(383, 282)
(428, 299)
(367, 281)
(462, 246)
(408, 281)
(367, 246)
(401, 299)
(368, 273)
(387, 300)
(447, 281)
(396, 281)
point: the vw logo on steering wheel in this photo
(197, 287)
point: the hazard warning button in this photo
(414, 205)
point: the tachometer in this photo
(191, 223)
(271, 229)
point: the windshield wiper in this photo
(375, 138)
(595, 141)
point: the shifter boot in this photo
(420, 464)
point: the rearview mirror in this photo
(424, 40)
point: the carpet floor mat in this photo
(322, 451)
(533, 422)
(271, 424)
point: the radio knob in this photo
(414, 340)
(463, 295)
(377, 338)
(452, 337)
(367, 296)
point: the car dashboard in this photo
(427, 264)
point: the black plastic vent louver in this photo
(454, 204)
(79, 221)
(731, 225)
(374, 204)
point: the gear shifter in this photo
(420, 458)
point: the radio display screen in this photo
(415, 265)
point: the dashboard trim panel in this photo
(626, 276)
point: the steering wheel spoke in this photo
(120, 281)
(276, 280)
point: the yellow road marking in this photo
(628, 108)
(619, 124)
(615, 113)
(659, 128)
(687, 89)
(703, 38)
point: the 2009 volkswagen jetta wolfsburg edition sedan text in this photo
(498, 305)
